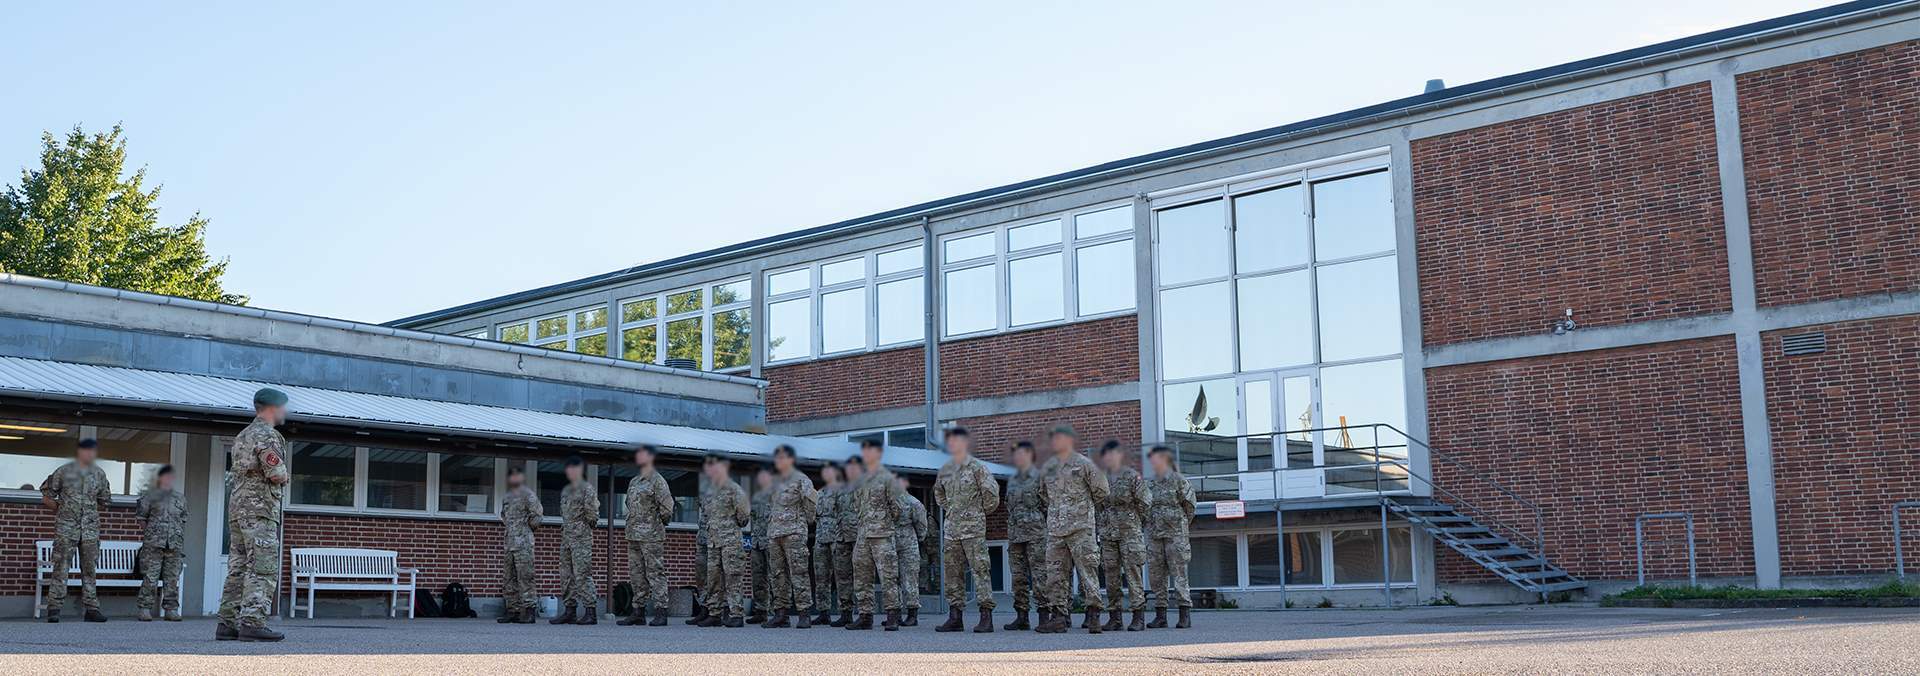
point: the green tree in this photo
(76, 218)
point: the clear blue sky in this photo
(374, 160)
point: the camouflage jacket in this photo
(700, 524)
(967, 493)
(1074, 489)
(649, 507)
(77, 493)
(826, 527)
(762, 506)
(1124, 514)
(165, 513)
(579, 511)
(520, 510)
(794, 502)
(258, 475)
(1172, 509)
(847, 512)
(876, 503)
(1026, 507)
(723, 510)
(910, 521)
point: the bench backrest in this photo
(349, 563)
(117, 557)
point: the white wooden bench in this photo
(117, 557)
(333, 569)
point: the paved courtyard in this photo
(1514, 639)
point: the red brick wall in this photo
(993, 436)
(21, 524)
(842, 385)
(1846, 445)
(1099, 352)
(1611, 209)
(1596, 439)
(1831, 176)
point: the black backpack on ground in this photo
(453, 601)
(423, 603)
(623, 599)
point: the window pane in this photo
(513, 333)
(900, 260)
(685, 487)
(1359, 309)
(1030, 236)
(550, 327)
(1193, 242)
(1199, 417)
(1263, 559)
(41, 448)
(732, 293)
(1356, 555)
(1303, 560)
(683, 341)
(1215, 563)
(615, 478)
(590, 319)
(909, 437)
(1362, 394)
(130, 457)
(595, 345)
(1105, 277)
(1196, 331)
(1259, 406)
(1276, 321)
(789, 323)
(322, 475)
(732, 338)
(396, 479)
(1297, 414)
(555, 345)
(1270, 230)
(970, 303)
(640, 344)
(969, 248)
(843, 320)
(902, 310)
(549, 478)
(1353, 216)
(639, 310)
(1104, 222)
(466, 484)
(685, 301)
(843, 272)
(1034, 290)
(788, 282)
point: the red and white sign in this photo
(1230, 509)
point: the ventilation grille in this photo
(1803, 343)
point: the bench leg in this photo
(393, 604)
(38, 582)
(309, 601)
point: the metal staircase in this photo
(1524, 567)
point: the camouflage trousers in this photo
(727, 578)
(1121, 562)
(65, 541)
(1167, 570)
(825, 571)
(160, 577)
(647, 573)
(758, 561)
(906, 552)
(700, 573)
(844, 575)
(576, 572)
(516, 579)
(959, 558)
(1028, 561)
(1066, 554)
(253, 572)
(874, 564)
(791, 586)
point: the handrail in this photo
(1899, 551)
(1640, 545)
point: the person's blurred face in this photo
(1162, 463)
(643, 458)
(783, 463)
(901, 482)
(1111, 460)
(872, 455)
(274, 415)
(574, 472)
(716, 471)
(514, 480)
(960, 447)
(830, 474)
(763, 479)
(1062, 444)
(85, 455)
(165, 481)
(854, 472)
(1022, 457)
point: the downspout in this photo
(932, 330)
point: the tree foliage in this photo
(75, 218)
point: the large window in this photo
(710, 326)
(333, 477)
(30, 450)
(844, 305)
(467, 483)
(904, 437)
(323, 475)
(583, 331)
(396, 479)
(1032, 273)
(1312, 557)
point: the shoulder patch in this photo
(271, 458)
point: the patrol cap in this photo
(268, 396)
(1065, 429)
(88, 442)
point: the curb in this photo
(1814, 602)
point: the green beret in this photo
(268, 396)
(1066, 429)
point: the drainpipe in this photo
(932, 329)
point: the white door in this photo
(213, 577)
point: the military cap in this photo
(268, 396)
(1065, 429)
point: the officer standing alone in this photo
(257, 480)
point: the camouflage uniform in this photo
(78, 492)
(700, 551)
(1123, 548)
(520, 512)
(876, 504)
(1026, 538)
(909, 530)
(163, 547)
(762, 507)
(826, 532)
(256, 486)
(579, 513)
(793, 500)
(1073, 487)
(723, 511)
(966, 493)
(844, 574)
(1169, 549)
(649, 510)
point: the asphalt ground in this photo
(1437, 640)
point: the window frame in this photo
(572, 335)
(1244, 566)
(662, 317)
(1068, 247)
(361, 478)
(869, 281)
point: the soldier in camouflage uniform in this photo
(966, 493)
(1026, 533)
(1168, 547)
(1123, 547)
(762, 507)
(75, 492)
(520, 514)
(649, 506)
(826, 531)
(256, 487)
(163, 546)
(792, 500)
(909, 530)
(876, 500)
(844, 575)
(579, 513)
(1074, 487)
(702, 606)
(725, 511)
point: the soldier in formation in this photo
(1122, 528)
(256, 488)
(909, 530)
(701, 604)
(725, 510)
(520, 514)
(579, 513)
(649, 509)
(876, 504)
(826, 532)
(1168, 549)
(1074, 488)
(844, 575)
(75, 492)
(163, 547)
(1026, 537)
(792, 502)
(966, 492)
(761, 506)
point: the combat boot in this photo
(778, 621)
(225, 632)
(1055, 623)
(846, 618)
(953, 623)
(824, 617)
(913, 618)
(53, 615)
(801, 621)
(508, 617)
(1019, 622)
(145, 615)
(1185, 620)
(172, 615)
(526, 617)
(659, 617)
(1093, 621)
(733, 622)
(1041, 617)
(1113, 621)
(699, 615)
(893, 620)
(713, 620)
(93, 615)
(252, 634)
(1139, 622)
(566, 616)
(986, 622)
(1159, 618)
(637, 618)
(757, 617)
(864, 623)
(589, 615)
